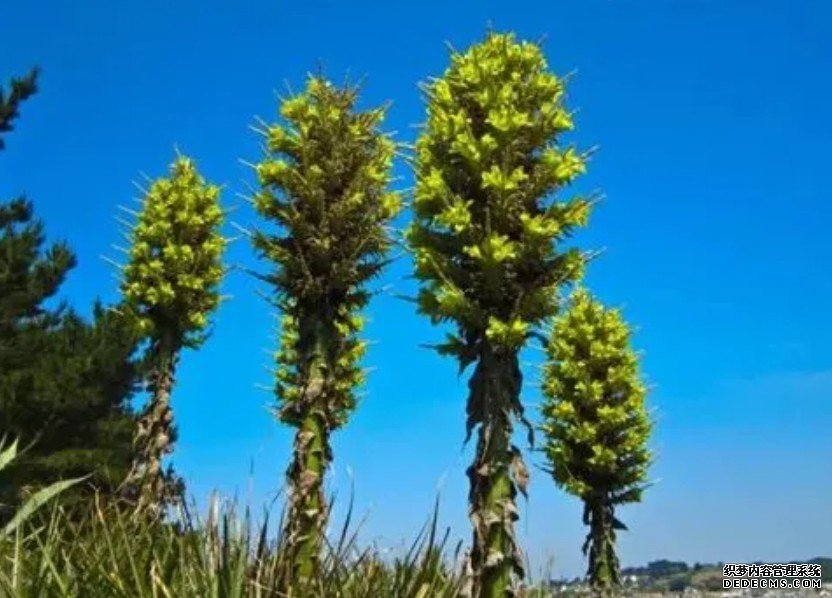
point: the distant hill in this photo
(825, 563)
(674, 576)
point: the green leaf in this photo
(36, 501)
(8, 454)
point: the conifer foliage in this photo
(170, 288)
(486, 241)
(20, 90)
(65, 383)
(596, 424)
(28, 274)
(324, 183)
(72, 402)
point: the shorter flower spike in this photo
(595, 423)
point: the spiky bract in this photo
(325, 184)
(486, 245)
(170, 286)
(596, 423)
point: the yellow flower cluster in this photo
(595, 418)
(325, 183)
(342, 367)
(485, 166)
(170, 281)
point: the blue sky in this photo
(712, 121)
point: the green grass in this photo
(108, 551)
(99, 548)
(104, 550)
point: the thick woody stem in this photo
(307, 507)
(495, 557)
(308, 511)
(147, 485)
(603, 571)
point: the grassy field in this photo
(109, 552)
(104, 550)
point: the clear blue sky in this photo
(713, 123)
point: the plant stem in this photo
(146, 484)
(603, 564)
(312, 454)
(495, 557)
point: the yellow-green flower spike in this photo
(170, 287)
(325, 184)
(596, 423)
(175, 267)
(487, 241)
